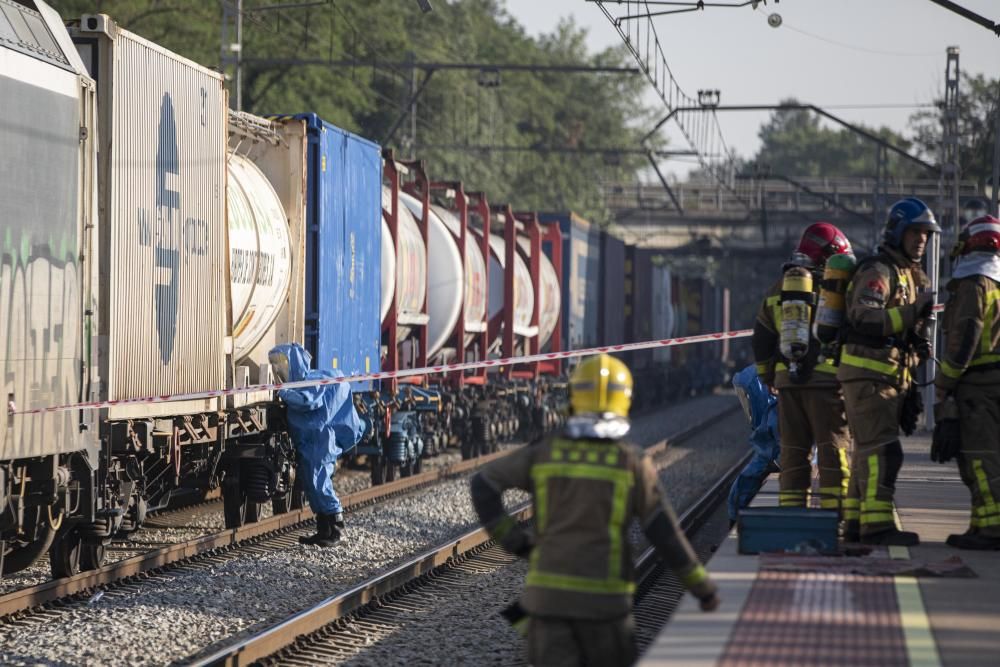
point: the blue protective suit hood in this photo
(762, 412)
(321, 420)
(759, 399)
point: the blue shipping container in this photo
(580, 280)
(343, 250)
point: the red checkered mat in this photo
(818, 619)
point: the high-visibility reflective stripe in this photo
(579, 584)
(622, 481)
(694, 577)
(990, 510)
(985, 340)
(830, 497)
(950, 371)
(870, 364)
(825, 367)
(829, 503)
(791, 498)
(874, 510)
(852, 509)
(896, 318)
(845, 472)
(985, 358)
(763, 369)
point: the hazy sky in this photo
(832, 53)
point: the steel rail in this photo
(56, 589)
(276, 637)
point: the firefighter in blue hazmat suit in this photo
(761, 409)
(323, 423)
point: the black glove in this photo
(922, 347)
(947, 441)
(924, 305)
(913, 407)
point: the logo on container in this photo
(169, 234)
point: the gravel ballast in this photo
(180, 613)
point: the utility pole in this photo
(995, 193)
(947, 210)
(231, 52)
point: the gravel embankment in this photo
(461, 622)
(178, 614)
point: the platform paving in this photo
(814, 618)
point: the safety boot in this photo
(327, 533)
(954, 538)
(974, 541)
(892, 538)
(851, 532)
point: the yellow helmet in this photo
(601, 384)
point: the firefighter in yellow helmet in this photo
(588, 484)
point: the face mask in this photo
(279, 364)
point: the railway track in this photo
(168, 613)
(215, 544)
(336, 629)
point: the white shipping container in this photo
(164, 285)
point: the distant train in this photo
(155, 243)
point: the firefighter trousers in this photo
(873, 411)
(809, 416)
(979, 458)
(570, 642)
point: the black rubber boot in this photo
(975, 542)
(892, 538)
(954, 538)
(852, 532)
(326, 533)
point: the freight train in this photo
(156, 243)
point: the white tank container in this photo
(409, 267)
(445, 284)
(260, 260)
(549, 294)
(524, 296)
(475, 273)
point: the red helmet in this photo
(979, 235)
(819, 242)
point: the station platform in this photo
(836, 616)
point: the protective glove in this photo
(707, 594)
(947, 439)
(913, 407)
(921, 346)
(518, 542)
(924, 304)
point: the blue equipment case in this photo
(786, 529)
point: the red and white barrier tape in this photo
(388, 375)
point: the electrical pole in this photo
(231, 52)
(994, 194)
(948, 211)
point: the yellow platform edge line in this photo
(921, 649)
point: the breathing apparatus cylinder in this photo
(832, 297)
(796, 315)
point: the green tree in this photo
(976, 126)
(795, 142)
(528, 111)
